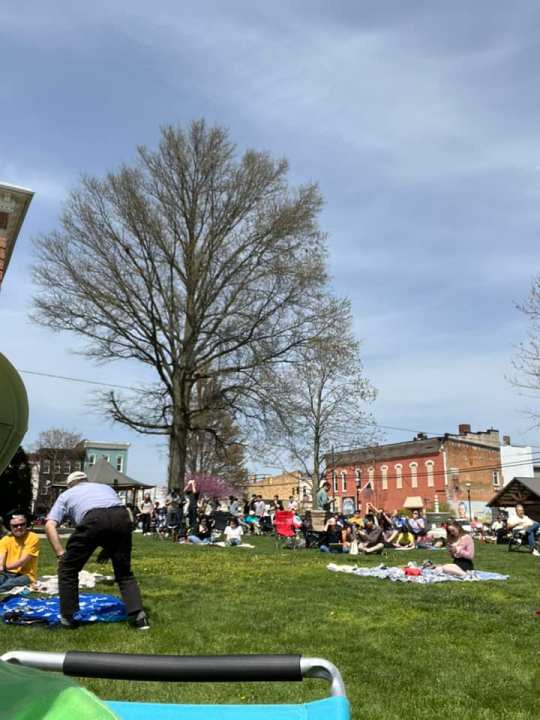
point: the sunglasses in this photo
(18, 525)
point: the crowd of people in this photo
(101, 520)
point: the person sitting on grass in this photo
(461, 548)
(372, 537)
(19, 554)
(417, 524)
(403, 539)
(202, 535)
(233, 532)
(336, 538)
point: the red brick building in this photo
(461, 471)
(14, 203)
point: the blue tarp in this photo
(93, 608)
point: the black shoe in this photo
(140, 621)
(67, 622)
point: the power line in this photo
(132, 389)
(78, 380)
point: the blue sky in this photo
(419, 121)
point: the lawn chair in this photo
(285, 529)
(518, 541)
(173, 668)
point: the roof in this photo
(518, 490)
(104, 445)
(103, 472)
(410, 448)
(413, 502)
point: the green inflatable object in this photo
(13, 412)
(27, 694)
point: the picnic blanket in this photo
(48, 584)
(427, 576)
(46, 611)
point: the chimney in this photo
(464, 429)
(421, 436)
(506, 440)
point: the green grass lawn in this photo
(465, 650)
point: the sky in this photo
(419, 121)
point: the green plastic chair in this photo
(13, 412)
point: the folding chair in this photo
(518, 540)
(174, 668)
(285, 530)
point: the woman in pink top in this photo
(461, 548)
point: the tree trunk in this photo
(177, 457)
(315, 478)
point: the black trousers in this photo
(109, 528)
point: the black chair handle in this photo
(184, 668)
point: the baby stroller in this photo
(171, 668)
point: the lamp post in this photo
(357, 482)
(468, 486)
(333, 480)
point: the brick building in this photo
(461, 471)
(51, 466)
(285, 485)
(14, 203)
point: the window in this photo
(77, 465)
(384, 477)
(496, 478)
(335, 482)
(358, 477)
(57, 467)
(414, 474)
(371, 477)
(4, 217)
(120, 463)
(429, 472)
(43, 490)
(46, 467)
(67, 467)
(399, 476)
(91, 459)
(343, 482)
(107, 458)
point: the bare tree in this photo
(58, 438)
(194, 262)
(217, 450)
(526, 361)
(319, 400)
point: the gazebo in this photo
(103, 472)
(520, 490)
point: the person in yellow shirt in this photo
(19, 554)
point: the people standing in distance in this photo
(100, 520)
(147, 508)
(322, 498)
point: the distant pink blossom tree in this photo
(211, 485)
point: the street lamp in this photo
(468, 486)
(357, 482)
